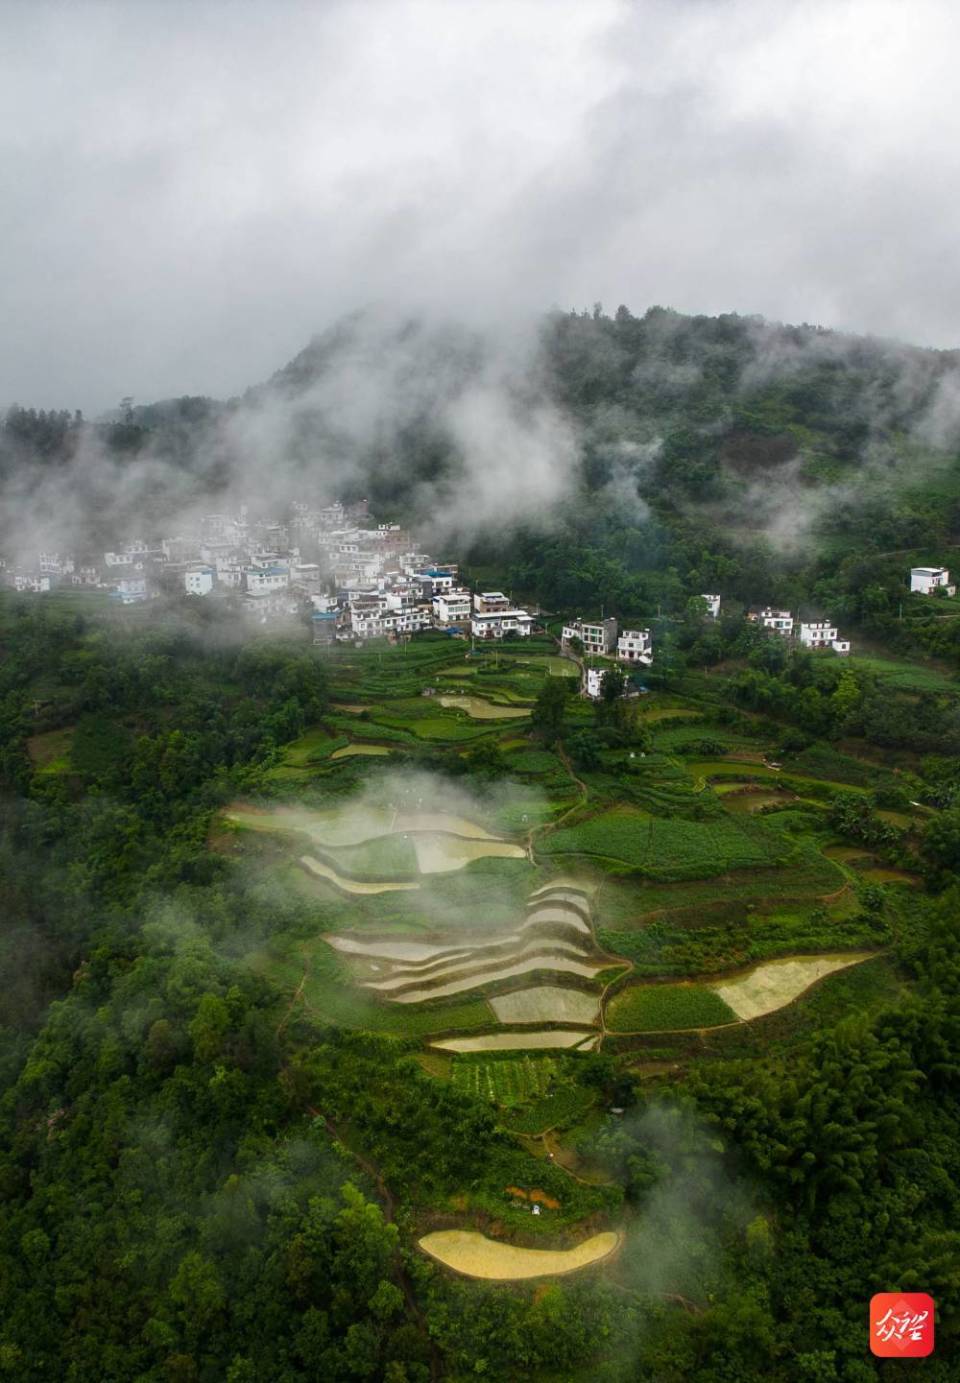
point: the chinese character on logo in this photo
(901, 1325)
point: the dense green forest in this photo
(218, 1153)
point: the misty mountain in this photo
(766, 432)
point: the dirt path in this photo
(554, 1154)
(386, 1197)
(295, 999)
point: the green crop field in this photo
(904, 675)
(662, 1007)
(670, 849)
(563, 1106)
(507, 1082)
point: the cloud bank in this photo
(191, 191)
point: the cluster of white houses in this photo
(819, 633)
(353, 580)
(604, 639)
(356, 581)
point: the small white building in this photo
(713, 605)
(198, 581)
(266, 580)
(434, 581)
(822, 634)
(780, 621)
(34, 581)
(635, 646)
(593, 681)
(597, 638)
(130, 589)
(818, 633)
(451, 607)
(929, 580)
(489, 602)
(591, 684)
(493, 624)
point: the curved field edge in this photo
(474, 1255)
(653, 1007)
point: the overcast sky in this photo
(189, 191)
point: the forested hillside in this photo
(669, 455)
(330, 974)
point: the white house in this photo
(635, 646)
(822, 634)
(266, 580)
(434, 581)
(451, 607)
(780, 621)
(31, 581)
(324, 625)
(713, 605)
(493, 624)
(928, 580)
(199, 581)
(818, 634)
(597, 638)
(489, 602)
(130, 589)
(593, 681)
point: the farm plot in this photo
(517, 1041)
(538, 961)
(667, 1007)
(346, 751)
(321, 870)
(383, 859)
(512, 1082)
(479, 709)
(779, 982)
(670, 849)
(553, 937)
(474, 1255)
(548, 1003)
(436, 854)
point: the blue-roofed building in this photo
(324, 624)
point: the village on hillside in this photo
(351, 581)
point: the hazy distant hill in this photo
(753, 430)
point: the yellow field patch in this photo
(475, 1255)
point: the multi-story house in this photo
(822, 634)
(635, 646)
(598, 637)
(929, 580)
(198, 581)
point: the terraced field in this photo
(480, 709)
(517, 1041)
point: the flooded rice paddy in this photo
(439, 854)
(325, 871)
(547, 1003)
